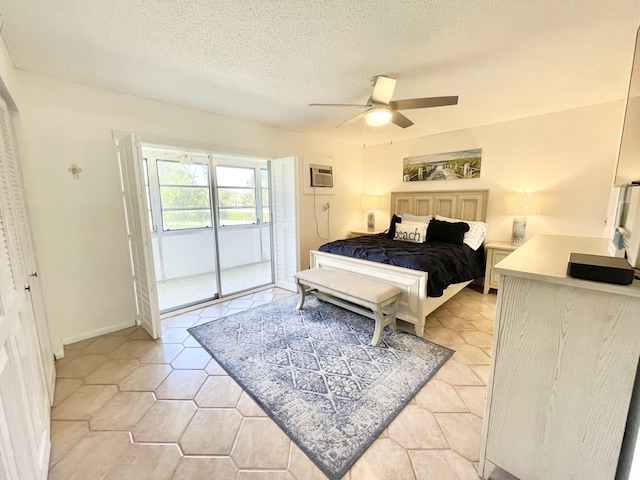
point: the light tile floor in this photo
(128, 407)
(173, 294)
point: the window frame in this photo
(206, 187)
(257, 193)
(147, 185)
(262, 191)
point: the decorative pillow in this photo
(477, 231)
(446, 232)
(407, 217)
(392, 228)
(411, 232)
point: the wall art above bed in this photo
(442, 166)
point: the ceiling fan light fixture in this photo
(378, 116)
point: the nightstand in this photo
(364, 231)
(496, 251)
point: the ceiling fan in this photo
(380, 109)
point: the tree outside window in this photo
(236, 195)
(184, 195)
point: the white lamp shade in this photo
(378, 116)
(523, 204)
(371, 202)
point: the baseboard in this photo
(96, 333)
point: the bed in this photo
(415, 304)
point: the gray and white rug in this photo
(316, 375)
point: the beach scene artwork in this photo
(443, 166)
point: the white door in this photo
(15, 196)
(24, 399)
(285, 228)
(139, 233)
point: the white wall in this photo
(79, 225)
(568, 156)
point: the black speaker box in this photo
(600, 268)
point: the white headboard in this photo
(461, 204)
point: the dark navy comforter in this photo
(446, 263)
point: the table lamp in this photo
(521, 205)
(371, 203)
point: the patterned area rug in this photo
(316, 375)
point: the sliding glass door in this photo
(183, 237)
(244, 229)
(211, 233)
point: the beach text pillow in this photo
(415, 232)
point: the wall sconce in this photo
(521, 205)
(75, 171)
(371, 203)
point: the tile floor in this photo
(174, 294)
(128, 407)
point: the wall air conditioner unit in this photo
(321, 175)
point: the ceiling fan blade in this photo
(352, 119)
(336, 105)
(383, 89)
(423, 102)
(400, 120)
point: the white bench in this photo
(352, 292)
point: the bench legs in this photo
(383, 320)
(374, 311)
(301, 295)
(377, 332)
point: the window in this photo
(236, 195)
(264, 183)
(184, 195)
(145, 168)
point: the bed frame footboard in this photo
(414, 305)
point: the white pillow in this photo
(477, 231)
(407, 217)
(415, 232)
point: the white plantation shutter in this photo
(24, 254)
(7, 282)
(10, 189)
(138, 231)
(24, 399)
(284, 182)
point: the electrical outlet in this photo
(326, 206)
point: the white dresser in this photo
(565, 353)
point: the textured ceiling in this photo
(265, 61)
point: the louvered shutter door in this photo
(7, 281)
(24, 401)
(133, 194)
(25, 254)
(283, 174)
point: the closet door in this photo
(285, 228)
(139, 233)
(24, 399)
(15, 200)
